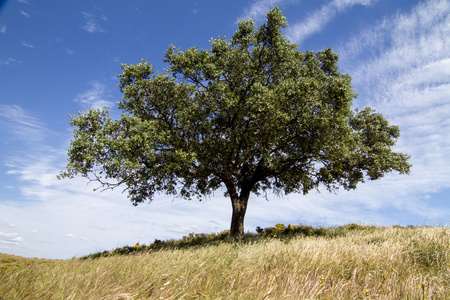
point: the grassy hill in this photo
(294, 262)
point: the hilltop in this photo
(353, 262)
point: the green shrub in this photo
(354, 226)
(194, 240)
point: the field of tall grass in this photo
(367, 263)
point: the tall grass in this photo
(377, 263)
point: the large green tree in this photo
(250, 114)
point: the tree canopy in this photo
(251, 114)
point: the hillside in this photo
(353, 263)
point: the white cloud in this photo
(315, 22)
(69, 51)
(401, 67)
(3, 29)
(25, 14)
(42, 166)
(94, 97)
(28, 45)
(182, 228)
(10, 238)
(10, 62)
(71, 235)
(412, 48)
(23, 126)
(92, 23)
(406, 59)
(259, 9)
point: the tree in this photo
(250, 114)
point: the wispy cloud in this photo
(413, 47)
(315, 22)
(69, 51)
(195, 9)
(24, 126)
(181, 228)
(28, 45)
(9, 62)
(94, 97)
(3, 29)
(25, 14)
(10, 239)
(259, 9)
(27, 139)
(92, 22)
(402, 68)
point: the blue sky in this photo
(61, 57)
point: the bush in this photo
(193, 240)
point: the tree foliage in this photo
(250, 114)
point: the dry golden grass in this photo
(381, 263)
(8, 261)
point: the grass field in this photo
(374, 263)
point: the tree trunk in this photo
(237, 220)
